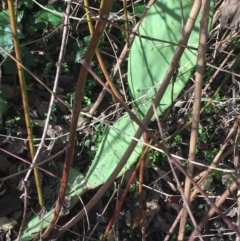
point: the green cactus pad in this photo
(111, 150)
(75, 189)
(149, 60)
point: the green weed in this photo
(10, 124)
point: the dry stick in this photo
(172, 66)
(118, 97)
(123, 197)
(147, 37)
(220, 153)
(29, 163)
(216, 72)
(236, 165)
(203, 35)
(224, 70)
(174, 173)
(104, 210)
(140, 190)
(222, 157)
(217, 14)
(51, 103)
(116, 223)
(25, 198)
(60, 58)
(99, 57)
(214, 207)
(121, 57)
(214, 95)
(100, 18)
(219, 69)
(236, 154)
(119, 69)
(104, 11)
(24, 96)
(109, 82)
(126, 20)
(205, 175)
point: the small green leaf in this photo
(26, 3)
(189, 227)
(5, 19)
(6, 40)
(6, 31)
(87, 39)
(30, 28)
(46, 16)
(200, 206)
(4, 16)
(139, 9)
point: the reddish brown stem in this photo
(104, 12)
(140, 188)
(121, 201)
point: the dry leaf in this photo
(162, 174)
(7, 223)
(128, 218)
(230, 16)
(227, 179)
(231, 212)
(206, 184)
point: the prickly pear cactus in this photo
(111, 151)
(149, 60)
(76, 188)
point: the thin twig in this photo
(25, 103)
(25, 201)
(29, 163)
(104, 12)
(59, 65)
(237, 169)
(186, 203)
(203, 35)
(217, 72)
(123, 197)
(100, 216)
(122, 56)
(34, 76)
(140, 193)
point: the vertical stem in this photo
(126, 20)
(105, 9)
(24, 96)
(196, 109)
